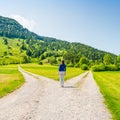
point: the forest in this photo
(19, 45)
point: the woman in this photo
(62, 72)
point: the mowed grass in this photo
(51, 71)
(10, 79)
(109, 83)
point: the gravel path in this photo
(41, 98)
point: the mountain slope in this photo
(21, 45)
(12, 29)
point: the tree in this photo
(84, 67)
(25, 58)
(107, 60)
(118, 60)
(5, 53)
(70, 56)
(28, 52)
(5, 41)
(23, 47)
(42, 57)
(52, 60)
(84, 60)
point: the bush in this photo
(112, 67)
(40, 63)
(9, 60)
(52, 60)
(103, 67)
(84, 67)
(25, 59)
(97, 68)
(70, 65)
(77, 65)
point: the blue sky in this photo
(92, 22)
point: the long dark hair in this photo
(63, 62)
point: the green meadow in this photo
(10, 79)
(51, 71)
(109, 83)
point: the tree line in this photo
(53, 50)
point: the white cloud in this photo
(26, 23)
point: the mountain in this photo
(12, 29)
(19, 45)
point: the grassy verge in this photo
(10, 79)
(109, 83)
(51, 71)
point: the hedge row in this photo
(103, 67)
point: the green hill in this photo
(12, 29)
(19, 45)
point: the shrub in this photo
(9, 60)
(77, 65)
(103, 67)
(70, 65)
(84, 67)
(83, 60)
(25, 59)
(52, 60)
(97, 68)
(40, 63)
(112, 67)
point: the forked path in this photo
(41, 98)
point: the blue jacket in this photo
(62, 67)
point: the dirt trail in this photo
(41, 98)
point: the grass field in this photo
(109, 83)
(10, 79)
(51, 71)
